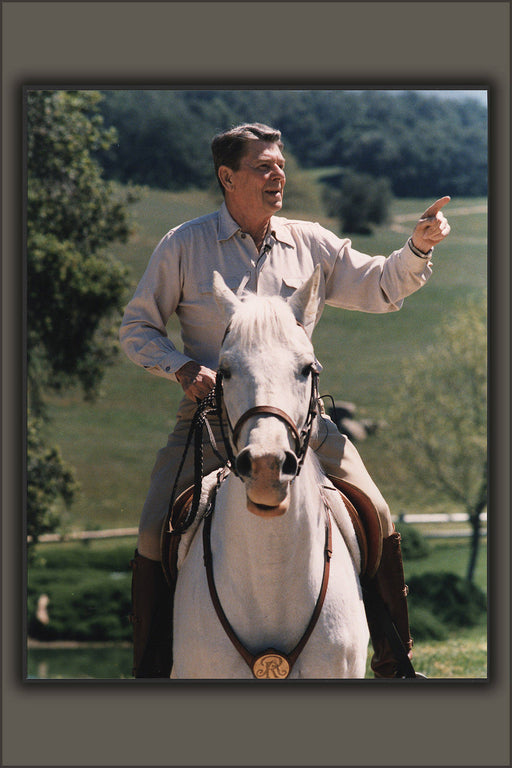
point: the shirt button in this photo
(243, 235)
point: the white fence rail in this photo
(412, 519)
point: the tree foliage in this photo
(48, 478)
(437, 424)
(358, 201)
(425, 145)
(75, 288)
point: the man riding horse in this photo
(255, 251)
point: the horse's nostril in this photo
(243, 463)
(290, 464)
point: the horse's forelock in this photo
(262, 319)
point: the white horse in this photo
(272, 517)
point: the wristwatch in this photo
(417, 252)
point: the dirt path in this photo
(462, 211)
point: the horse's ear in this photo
(304, 302)
(224, 296)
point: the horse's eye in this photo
(306, 370)
(225, 372)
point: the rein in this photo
(271, 663)
(212, 404)
(200, 419)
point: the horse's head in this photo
(267, 368)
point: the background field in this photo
(112, 442)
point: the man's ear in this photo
(225, 175)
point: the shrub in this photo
(414, 545)
(92, 607)
(359, 202)
(425, 625)
(82, 556)
(454, 601)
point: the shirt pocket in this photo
(232, 281)
(290, 283)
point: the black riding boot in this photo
(152, 605)
(388, 583)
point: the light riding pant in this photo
(337, 456)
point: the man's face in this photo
(257, 186)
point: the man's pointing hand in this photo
(432, 227)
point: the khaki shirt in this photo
(179, 278)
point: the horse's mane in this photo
(260, 318)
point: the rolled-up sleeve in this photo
(143, 333)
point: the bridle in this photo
(214, 403)
(301, 438)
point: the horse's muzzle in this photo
(267, 479)
(286, 466)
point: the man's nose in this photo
(279, 173)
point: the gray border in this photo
(306, 44)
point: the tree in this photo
(424, 145)
(48, 477)
(75, 288)
(358, 200)
(437, 424)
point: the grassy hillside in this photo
(112, 442)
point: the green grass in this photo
(112, 442)
(463, 654)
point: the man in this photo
(259, 252)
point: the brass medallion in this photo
(271, 665)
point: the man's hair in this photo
(229, 146)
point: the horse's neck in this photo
(285, 542)
(268, 571)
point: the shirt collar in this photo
(280, 231)
(227, 227)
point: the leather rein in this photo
(213, 403)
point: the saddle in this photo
(363, 514)
(367, 526)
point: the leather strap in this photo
(369, 517)
(248, 657)
(271, 410)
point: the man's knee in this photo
(148, 543)
(340, 458)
